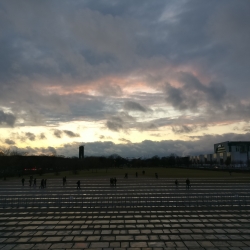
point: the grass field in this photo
(149, 172)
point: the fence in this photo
(83, 201)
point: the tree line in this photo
(14, 163)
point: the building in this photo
(81, 152)
(233, 153)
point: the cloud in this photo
(7, 118)
(9, 142)
(193, 95)
(183, 129)
(102, 137)
(52, 150)
(121, 121)
(30, 136)
(196, 145)
(124, 140)
(57, 133)
(115, 124)
(156, 134)
(42, 136)
(70, 133)
(186, 129)
(107, 89)
(134, 106)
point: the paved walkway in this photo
(134, 228)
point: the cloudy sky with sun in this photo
(134, 78)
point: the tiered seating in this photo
(134, 226)
(134, 192)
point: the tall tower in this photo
(81, 152)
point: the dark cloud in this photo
(121, 121)
(134, 106)
(107, 89)
(42, 136)
(124, 140)
(186, 129)
(193, 94)
(70, 133)
(7, 119)
(183, 129)
(58, 133)
(9, 142)
(115, 124)
(52, 150)
(30, 136)
(102, 137)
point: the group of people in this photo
(32, 182)
(78, 183)
(113, 182)
(188, 185)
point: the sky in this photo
(133, 78)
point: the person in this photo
(42, 184)
(64, 180)
(111, 181)
(126, 175)
(34, 183)
(23, 180)
(78, 184)
(136, 174)
(156, 175)
(45, 183)
(176, 183)
(30, 181)
(115, 181)
(143, 172)
(187, 183)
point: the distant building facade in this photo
(233, 153)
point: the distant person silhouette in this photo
(45, 183)
(115, 181)
(176, 183)
(156, 175)
(136, 174)
(78, 184)
(188, 183)
(23, 180)
(143, 172)
(34, 183)
(42, 184)
(30, 181)
(126, 175)
(64, 181)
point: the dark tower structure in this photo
(81, 152)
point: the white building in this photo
(234, 153)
